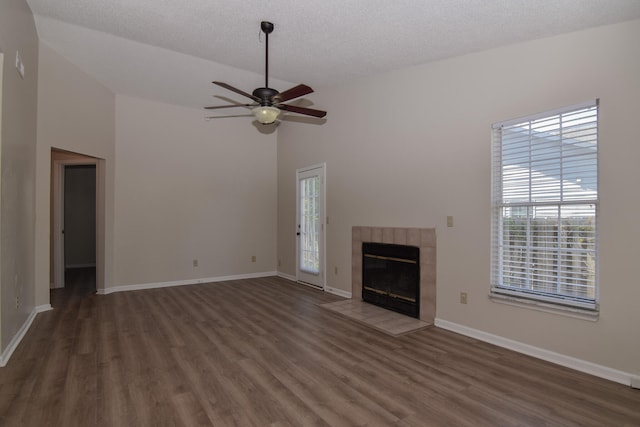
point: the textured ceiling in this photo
(180, 46)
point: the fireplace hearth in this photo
(391, 277)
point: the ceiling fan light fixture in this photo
(266, 114)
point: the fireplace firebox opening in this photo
(391, 277)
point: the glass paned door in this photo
(310, 231)
(309, 225)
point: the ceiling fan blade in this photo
(238, 91)
(215, 107)
(294, 92)
(302, 110)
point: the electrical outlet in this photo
(336, 270)
(195, 262)
(253, 258)
(463, 297)
(449, 221)
(279, 263)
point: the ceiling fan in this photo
(268, 102)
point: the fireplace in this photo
(422, 238)
(391, 277)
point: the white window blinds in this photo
(545, 202)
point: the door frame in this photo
(57, 195)
(1, 102)
(323, 229)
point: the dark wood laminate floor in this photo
(261, 352)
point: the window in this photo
(545, 207)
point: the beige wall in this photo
(19, 98)
(75, 113)
(408, 148)
(190, 189)
(230, 162)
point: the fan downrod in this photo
(265, 94)
(267, 28)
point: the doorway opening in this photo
(1, 102)
(310, 201)
(77, 223)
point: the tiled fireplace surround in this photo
(423, 238)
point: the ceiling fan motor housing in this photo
(266, 95)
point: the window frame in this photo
(500, 291)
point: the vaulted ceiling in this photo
(170, 50)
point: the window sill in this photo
(562, 310)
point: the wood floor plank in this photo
(262, 352)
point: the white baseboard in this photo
(143, 286)
(635, 381)
(328, 289)
(338, 292)
(17, 338)
(540, 353)
(287, 276)
(43, 308)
